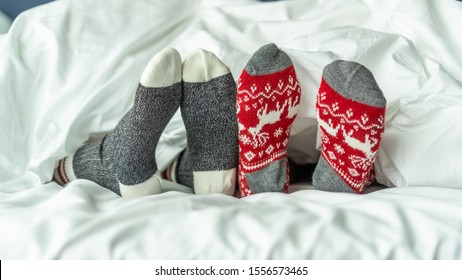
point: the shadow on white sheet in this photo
(5, 23)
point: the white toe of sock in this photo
(202, 66)
(163, 70)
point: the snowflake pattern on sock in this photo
(266, 108)
(351, 136)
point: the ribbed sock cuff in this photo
(64, 173)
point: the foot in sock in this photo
(268, 98)
(208, 109)
(124, 160)
(351, 115)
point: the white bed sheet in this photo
(68, 71)
(89, 222)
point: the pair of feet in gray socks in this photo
(224, 145)
(124, 160)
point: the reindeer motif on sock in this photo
(267, 104)
(351, 131)
(265, 117)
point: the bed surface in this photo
(86, 221)
(68, 72)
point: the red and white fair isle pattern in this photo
(351, 135)
(266, 108)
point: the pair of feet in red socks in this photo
(351, 111)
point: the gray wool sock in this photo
(184, 174)
(208, 109)
(124, 160)
(268, 98)
(351, 115)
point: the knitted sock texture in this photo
(184, 173)
(209, 114)
(125, 157)
(351, 115)
(268, 98)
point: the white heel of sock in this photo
(149, 187)
(220, 181)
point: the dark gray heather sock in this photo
(209, 114)
(208, 109)
(184, 173)
(126, 156)
(354, 82)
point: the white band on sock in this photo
(149, 187)
(220, 181)
(64, 172)
(69, 171)
(172, 171)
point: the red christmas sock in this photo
(351, 115)
(267, 102)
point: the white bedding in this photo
(68, 71)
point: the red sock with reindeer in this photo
(267, 102)
(351, 116)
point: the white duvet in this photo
(68, 71)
